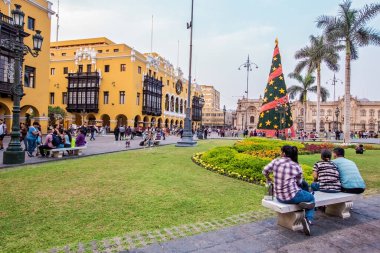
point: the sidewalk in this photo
(101, 145)
(359, 233)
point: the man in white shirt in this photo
(3, 132)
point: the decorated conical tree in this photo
(275, 112)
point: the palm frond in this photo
(366, 36)
(300, 66)
(365, 14)
(294, 90)
(296, 76)
(324, 94)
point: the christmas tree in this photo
(275, 113)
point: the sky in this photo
(225, 32)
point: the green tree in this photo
(303, 90)
(312, 56)
(350, 27)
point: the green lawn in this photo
(64, 202)
(368, 164)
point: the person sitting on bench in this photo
(288, 183)
(326, 174)
(350, 178)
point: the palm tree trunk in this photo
(304, 110)
(347, 95)
(318, 124)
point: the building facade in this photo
(101, 82)
(213, 116)
(365, 115)
(35, 71)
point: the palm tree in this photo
(349, 26)
(312, 56)
(303, 90)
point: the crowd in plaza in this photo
(330, 176)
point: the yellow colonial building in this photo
(35, 71)
(101, 82)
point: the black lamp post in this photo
(224, 116)
(187, 136)
(14, 153)
(248, 65)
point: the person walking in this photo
(116, 133)
(92, 132)
(31, 137)
(3, 133)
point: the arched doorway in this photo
(181, 124)
(91, 119)
(167, 102)
(159, 123)
(177, 105)
(121, 119)
(137, 120)
(106, 120)
(172, 123)
(153, 122)
(146, 121)
(28, 112)
(78, 119)
(176, 123)
(5, 111)
(167, 123)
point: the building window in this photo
(31, 23)
(329, 112)
(52, 71)
(65, 70)
(123, 67)
(52, 98)
(372, 113)
(100, 51)
(138, 98)
(139, 70)
(63, 54)
(322, 112)
(88, 67)
(106, 68)
(363, 113)
(167, 82)
(122, 97)
(161, 79)
(106, 96)
(152, 96)
(64, 98)
(80, 68)
(251, 119)
(5, 63)
(314, 112)
(150, 73)
(29, 77)
(116, 50)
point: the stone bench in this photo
(290, 215)
(58, 152)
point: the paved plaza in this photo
(359, 233)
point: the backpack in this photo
(56, 141)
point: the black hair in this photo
(339, 152)
(35, 123)
(291, 152)
(68, 134)
(326, 155)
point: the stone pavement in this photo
(101, 145)
(359, 233)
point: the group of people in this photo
(56, 137)
(338, 175)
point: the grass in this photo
(53, 204)
(368, 164)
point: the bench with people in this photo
(337, 183)
(57, 142)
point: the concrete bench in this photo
(58, 152)
(290, 215)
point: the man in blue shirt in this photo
(350, 178)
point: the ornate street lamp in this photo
(14, 153)
(248, 65)
(187, 136)
(333, 83)
(224, 116)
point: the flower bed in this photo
(246, 159)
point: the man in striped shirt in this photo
(326, 174)
(287, 183)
